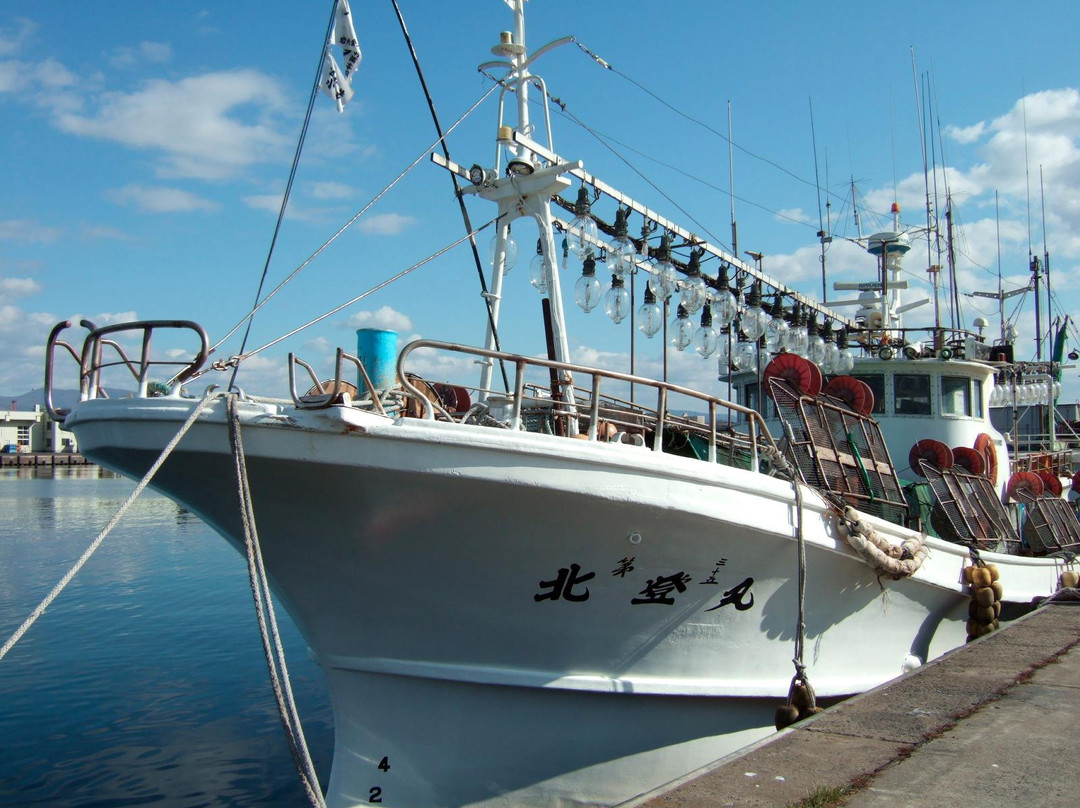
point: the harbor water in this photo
(145, 682)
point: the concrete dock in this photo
(994, 722)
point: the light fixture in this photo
(650, 316)
(945, 353)
(724, 307)
(693, 286)
(582, 234)
(621, 253)
(588, 290)
(815, 346)
(798, 338)
(845, 360)
(705, 338)
(886, 352)
(723, 351)
(682, 330)
(913, 350)
(776, 330)
(617, 300)
(511, 251)
(664, 280)
(832, 352)
(744, 357)
(754, 319)
(538, 269)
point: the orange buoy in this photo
(969, 459)
(796, 371)
(1024, 481)
(853, 392)
(932, 451)
(985, 445)
(1051, 483)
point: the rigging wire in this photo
(288, 185)
(352, 221)
(457, 193)
(235, 360)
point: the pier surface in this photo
(991, 723)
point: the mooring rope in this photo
(56, 590)
(268, 629)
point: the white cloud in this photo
(28, 231)
(795, 215)
(144, 53)
(331, 190)
(159, 199)
(208, 127)
(966, 134)
(12, 288)
(386, 317)
(386, 224)
(104, 232)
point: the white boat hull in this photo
(516, 619)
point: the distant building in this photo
(33, 431)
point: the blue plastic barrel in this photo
(377, 349)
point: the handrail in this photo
(758, 431)
(91, 361)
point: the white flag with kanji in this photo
(345, 38)
(334, 83)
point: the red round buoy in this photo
(1024, 481)
(985, 445)
(1076, 482)
(932, 451)
(853, 392)
(794, 370)
(1051, 482)
(970, 459)
(816, 379)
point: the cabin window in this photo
(978, 401)
(955, 395)
(912, 393)
(876, 383)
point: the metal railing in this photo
(92, 360)
(591, 410)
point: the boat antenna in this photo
(731, 184)
(1046, 258)
(457, 190)
(1001, 298)
(821, 225)
(931, 267)
(315, 85)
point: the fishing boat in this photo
(578, 585)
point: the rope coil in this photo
(894, 560)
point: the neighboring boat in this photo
(559, 592)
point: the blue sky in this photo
(145, 148)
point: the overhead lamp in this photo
(588, 290)
(754, 319)
(744, 357)
(776, 330)
(724, 307)
(832, 351)
(538, 269)
(510, 249)
(582, 234)
(682, 330)
(798, 338)
(705, 338)
(693, 286)
(664, 280)
(621, 252)
(650, 316)
(845, 360)
(617, 300)
(815, 346)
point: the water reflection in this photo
(144, 682)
